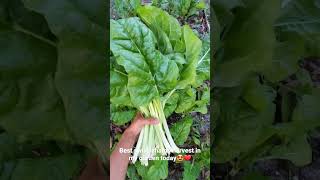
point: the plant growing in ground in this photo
(177, 8)
(260, 113)
(52, 87)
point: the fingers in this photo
(146, 121)
(152, 121)
(149, 121)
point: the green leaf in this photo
(178, 58)
(240, 127)
(203, 67)
(121, 116)
(165, 27)
(258, 96)
(148, 70)
(193, 49)
(132, 173)
(54, 168)
(119, 94)
(158, 169)
(191, 171)
(141, 84)
(306, 113)
(80, 69)
(285, 60)
(187, 99)
(303, 18)
(142, 170)
(239, 61)
(201, 5)
(126, 8)
(171, 104)
(201, 105)
(298, 151)
(181, 129)
(203, 158)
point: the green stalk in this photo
(157, 104)
(138, 147)
(153, 136)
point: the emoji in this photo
(187, 157)
(179, 158)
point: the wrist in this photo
(130, 132)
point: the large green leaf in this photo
(149, 72)
(28, 89)
(158, 169)
(303, 18)
(191, 171)
(81, 68)
(171, 104)
(119, 94)
(187, 100)
(258, 96)
(285, 60)
(54, 168)
(242, 126)
(120, 116)
(132, 173)
(249, 44)
(181, 129)
(306, 115)
(165, 27)
(193, 49)
(298, 151)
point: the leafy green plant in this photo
(126, 8)
(177, 8)
(151, 76)
(259, 115)
(158, 67)
(182, 8)
(52, 87)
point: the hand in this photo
(139, 122)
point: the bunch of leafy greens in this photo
(154, 58)
(257, 114)
(52, 87)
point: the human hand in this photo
(139, 122)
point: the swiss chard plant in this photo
(264, 102)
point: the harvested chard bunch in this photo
(153, 58)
